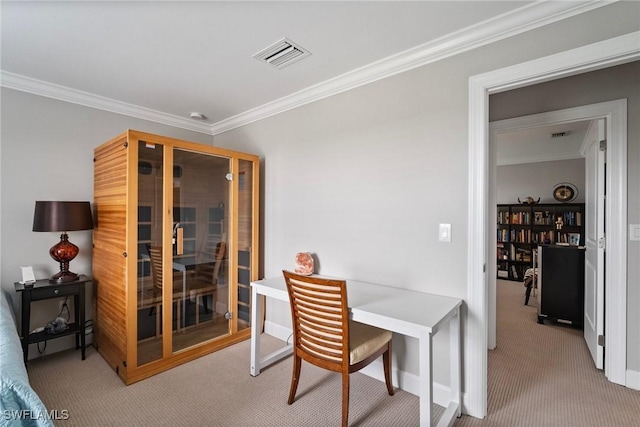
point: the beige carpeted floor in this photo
(543, 375)
(214, 390)
(540, 375)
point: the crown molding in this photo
(503, 26)
(500, 27)
(63, 93)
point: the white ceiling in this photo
(164, 60)
(536, 144)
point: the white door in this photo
(594, 240)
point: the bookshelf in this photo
(521, 228)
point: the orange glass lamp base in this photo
(64, 252)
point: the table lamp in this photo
(63, 216)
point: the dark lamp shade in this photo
(62, 216)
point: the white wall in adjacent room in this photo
(538, 180)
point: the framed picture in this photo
(574, 239)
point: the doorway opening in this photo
(614, 113)
(531, 156)
(619, 50)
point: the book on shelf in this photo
(541, 237)
(523, 218)
(571, 218)
(503, 217)
(524, 254)
(502, 252)
(542, 218)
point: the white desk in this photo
(415, 314)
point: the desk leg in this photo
(256, 315)
(426, 378)
(456, 362)
(26, 318)
(454, 409)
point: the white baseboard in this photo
(633, 379)
(278, 331)
(403, 380)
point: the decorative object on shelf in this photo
(565, 192)
(304, 264)
(559, 223)
(528, 201)
(574, 239)
(63, 216)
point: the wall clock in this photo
(565, 192)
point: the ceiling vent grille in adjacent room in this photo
(282, 53)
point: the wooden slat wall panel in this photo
(109, 264)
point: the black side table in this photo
(42, 290)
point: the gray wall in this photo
(538, 180)
(590, 88)
(47, 154)
(363, 178)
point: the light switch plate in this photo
(634, 231)
(444, 233)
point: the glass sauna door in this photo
(196, 235)
(201, 194)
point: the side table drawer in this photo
(54, 291)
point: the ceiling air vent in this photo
(555, 135)
(282, 53)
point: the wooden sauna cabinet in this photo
(175, 248)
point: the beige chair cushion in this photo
(365, 340)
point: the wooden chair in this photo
(155, 261)
(195, 286)
(324, 336)
(206, 272)
(204, 283)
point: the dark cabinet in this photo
(561, 284)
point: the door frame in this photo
(607, 53)
(615, 114)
